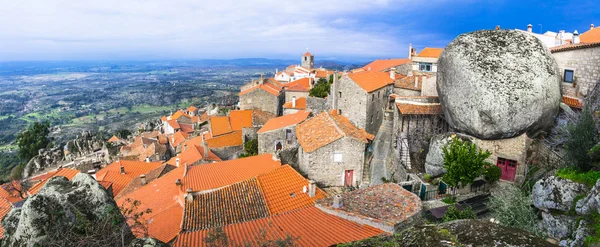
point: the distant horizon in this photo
(361, 30)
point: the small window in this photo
(337, 157)
(340, 94)
(425, 67)
(371, 118)
(568, 76)
(288, 136)
(372, 97)
(339, 111)
(378, 94)
(278, 146)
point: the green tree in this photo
(250, 148)
(34, 138)
(512, 207)
(464, 162)
(321, 89)
(123, 133)
(582, 137)
(453, 213)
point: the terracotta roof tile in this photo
(187, 128)
(177, 138)
(232, 139)
(307, 54)
(260, 117)
(299, 85)
(323, 73)
(10, 191)
(192, 108)
(219, 125)
(61, 172)
(284, 190)
(174, 124)
(267, 87)
(568, 47)
(239, 202)
(114, 139)
(5, 207)
(384, 64)
(179, 114)
(311, 226)
(431, 52)
(284, 121)
(136, 182)
(408, 82)
(296, 88)
(165, 225)
(300, 104)
(326, 128)
(196, 142)
(240, 119)
(164, 118)
(204, 117)
(572, 102)
(371, 80)
(407, 108)
(133, 169)
(590, 36)
(216, 175)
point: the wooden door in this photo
(348, 177)
(508, 167)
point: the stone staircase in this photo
(404, 151)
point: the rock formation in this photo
(58, 208)
(554, 193)
(434, 162)
(45, 158)
(147, 242)
(498, 84)
(85, 144)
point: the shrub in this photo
(588, 178)
(463, 161)
(321, 89)
(492, 173)
(449, 200)
(582, 137)
(454, 214)
(512, 208)
(427, 177)
(594, 153)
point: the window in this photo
(339, 111)
(378, 94)
(278, 146)
(425, 67)
(340, 94)
(372, 97)
(337, 157)
(288, 136)
(371, 118)
(568, 76)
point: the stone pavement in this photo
(381, 149)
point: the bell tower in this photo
(308, 60)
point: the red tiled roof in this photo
(266, 86)
(10, 191)
(419, 109)
(307, 54)
(232, 139)
(371, 80)
(311, 226)
(300, 104)
(179, 114)
(219, 125)
(165, 225)
(240, 119)
(431, 52)
(196, 142)
(260, 117)
(164, 118)
(192, 108)
(114, 139)
(236, 203)
(204, 117)
(133, 169)
(5, 207)
(408, 82)
(568, 47)
(326, 128)
(384, 64)
(572, 102)
(177, 138)
(216, 175)
(284, 121)
(61, 172)
(187, 128)
(323, 74)
(174, 124)
(300, 85)
(590, 36)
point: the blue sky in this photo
(331, 29)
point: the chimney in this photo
(576, 37)
(172, 139)
(530, 28)
(262, 78)
(184, 147)
(497, 27)
(312, 188)
(147, 160)
(189, 198)
(591, 26)
(205, 147)
(393, 73)
(122, 170)
(416, 78)
(177, 162)
(410, 51)
(143, 178)
(293, 101)
(178, 182)
(334, 93)
(561, 36)
(337, 201)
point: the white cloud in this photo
(75, 29)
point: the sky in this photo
(32, 30)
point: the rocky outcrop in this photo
(498, 84)
(45, 158)
(554, 193)
(85, 144)
(59, 207)
(591, 202)
(147, 242)
(434, 162)
(558, 226)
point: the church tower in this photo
(308, 60)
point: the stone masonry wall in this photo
(406, 92)
(290, 95)
(376, 102)
(319, 165)
(227, 153)
(317, 105)
(429, 86)
(261, 100)
(267, 140)
(585, 64)
(353, 102)
(512, 148)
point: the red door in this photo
(348, 177)
(508, 167)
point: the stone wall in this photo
(289, 95)
(376, 103)
(429, 86)
(317, 105)
(262, 100)
(585, 64)
(512, 148)
(406, 92)
(227, 153)
(268, 140)
(249, 134)
(319, 165)
(353, 101)
(404, 68)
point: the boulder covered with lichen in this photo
(61, 209)
(496, 84)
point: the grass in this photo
(594, 238)
(587, 178)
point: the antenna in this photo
(540, 28)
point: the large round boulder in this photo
(496, 84)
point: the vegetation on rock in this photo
(454, 213)
(34, 138)
(588, 178)
(464, 162)
(511, 207)
(582, 137)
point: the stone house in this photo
(294, 105)
(332, 149)
(384, 65)
(279, 134)
(426, 60)
(509, 154)
(265, 94)
(298, 88)
(362, 97)
(579, 65)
